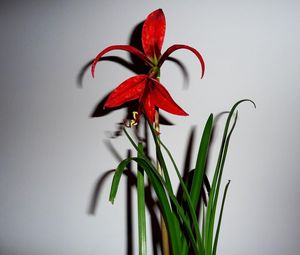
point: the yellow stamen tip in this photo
(134, 122)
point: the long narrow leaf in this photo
(180, 211)
(219, 179)
(203, 224)
(131, 140)
(116, 179)
(216, 188)
(157, 184)
(160, 192)
(201, 161)
(169, 189)
(160, 158)
(220, 219)
(151, 171)
(213, 191)
(191, 208)
(141, 208)
(200, 168)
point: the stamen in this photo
(135, 119)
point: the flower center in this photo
(154, 72)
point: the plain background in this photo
(52, 152)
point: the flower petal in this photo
(128, 48)
(149, 108)
(128, 90)
(174, 47)
(162, 99)
(153, 33)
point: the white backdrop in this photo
(53, 153)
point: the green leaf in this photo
(220, 219)
(160, 158)
(192, 198)
(130, 139)
(116, 179)
(158, 185)
(201, 161)
(192, 211)
(213, 195)
(213, 199)
(141, 208)
(154, 176)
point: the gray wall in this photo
(52, 152)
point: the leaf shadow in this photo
(150, 201)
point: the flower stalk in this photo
(141, 207)
(164, 230)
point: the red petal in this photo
(153, 33)
(162, 99)
(128, 48)
(182, 46)
(149, 108)
(128, 90)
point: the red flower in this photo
(146, 88)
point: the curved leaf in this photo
(220, 219)
(213, 195)
(116, 179)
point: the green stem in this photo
(141, 208)
(164, 230)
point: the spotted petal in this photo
(128, 90)
(149, 108)
(153, 34)
(163, 100)
(175, 47)
(128, 48)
